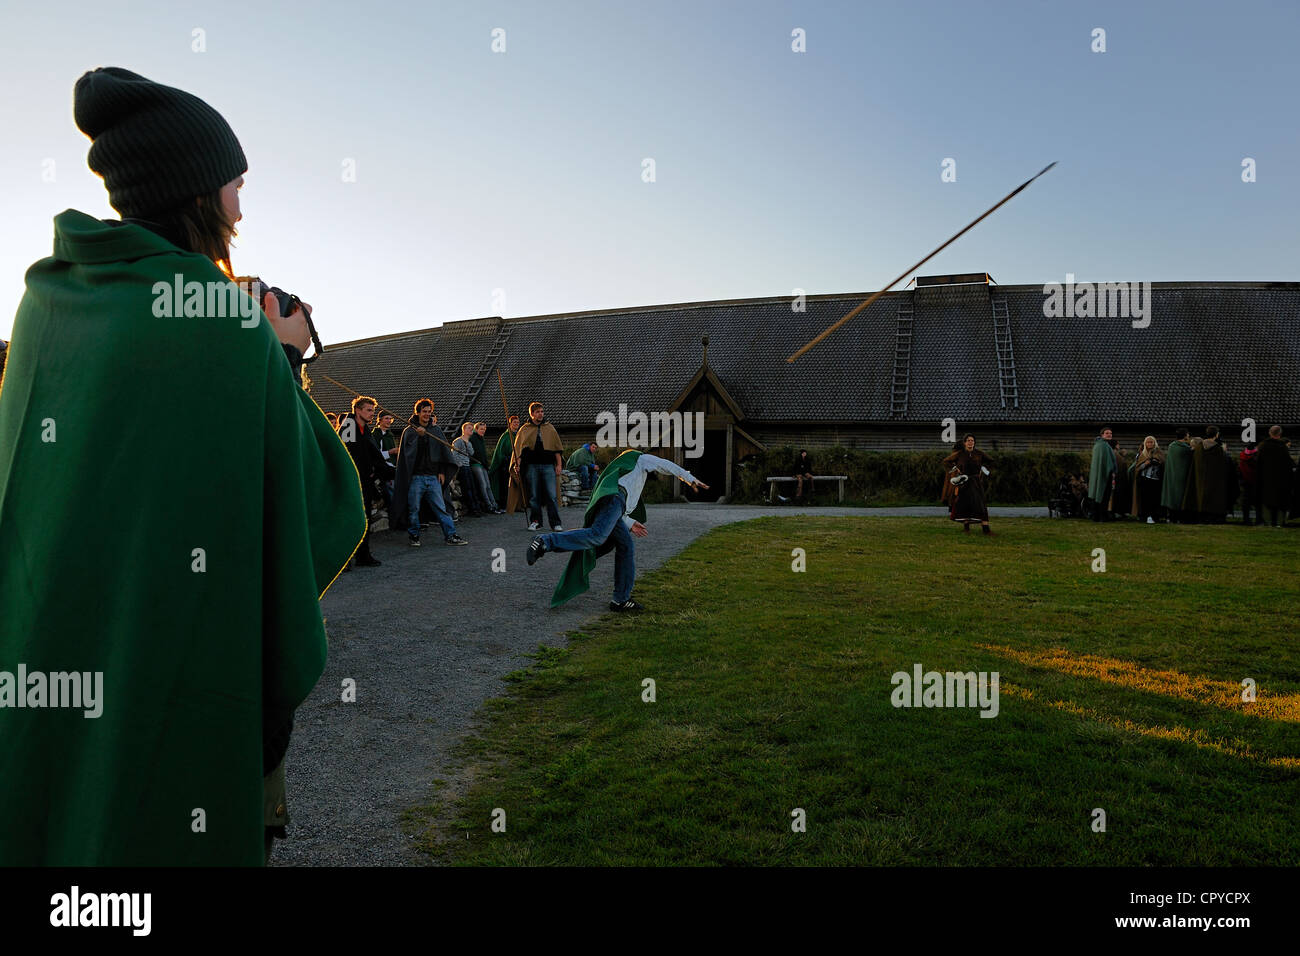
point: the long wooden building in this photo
(997, 360)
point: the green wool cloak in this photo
(1103, 463)
(577, 573)
(499, 467)
(579, 458)
(189, 574)
(1178, 463)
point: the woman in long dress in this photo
(1147, 473)
(973, 469)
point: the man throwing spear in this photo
(614, 515)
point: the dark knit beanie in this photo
(157, 147)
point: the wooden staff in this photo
(502, 387)
(909, 271)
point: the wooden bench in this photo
(774, 481)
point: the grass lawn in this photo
(1119, 690)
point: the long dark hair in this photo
(203, 224)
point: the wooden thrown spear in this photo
(908, 271)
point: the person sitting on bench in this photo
(802, 471)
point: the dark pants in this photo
(1250, 501)
(1274, 514)
(468, 492)
(368, 497)
(1148, 492)
(1100, 509)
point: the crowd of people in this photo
(1192, 481)
(415, 476)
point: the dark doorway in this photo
(710, 468)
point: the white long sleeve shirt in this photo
(634, 481)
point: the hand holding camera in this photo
(289, 316)
(292, 329)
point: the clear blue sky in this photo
(775, 170)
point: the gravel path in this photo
(424, 666)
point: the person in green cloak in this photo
(499, 468)
(614, 516)
(1101, 476)
(196, 615)
(1178, 464)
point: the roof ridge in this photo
(462, 324)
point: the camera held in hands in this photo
(289, 303)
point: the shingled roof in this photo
(1212, 352)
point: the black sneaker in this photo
(455, 539)
(535, 550)
(371, 562)
(413, 541)
(628, 605)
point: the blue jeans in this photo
(607, 525)
(483, 486)
(586, 476)
(541, 480)
(426, 488)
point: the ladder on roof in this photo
(1006, 354)
(902, 360)
(484, 372)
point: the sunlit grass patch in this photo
(1122, 691)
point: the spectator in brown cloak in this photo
(537, 459)
(1121, 500)
(1207, 483)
